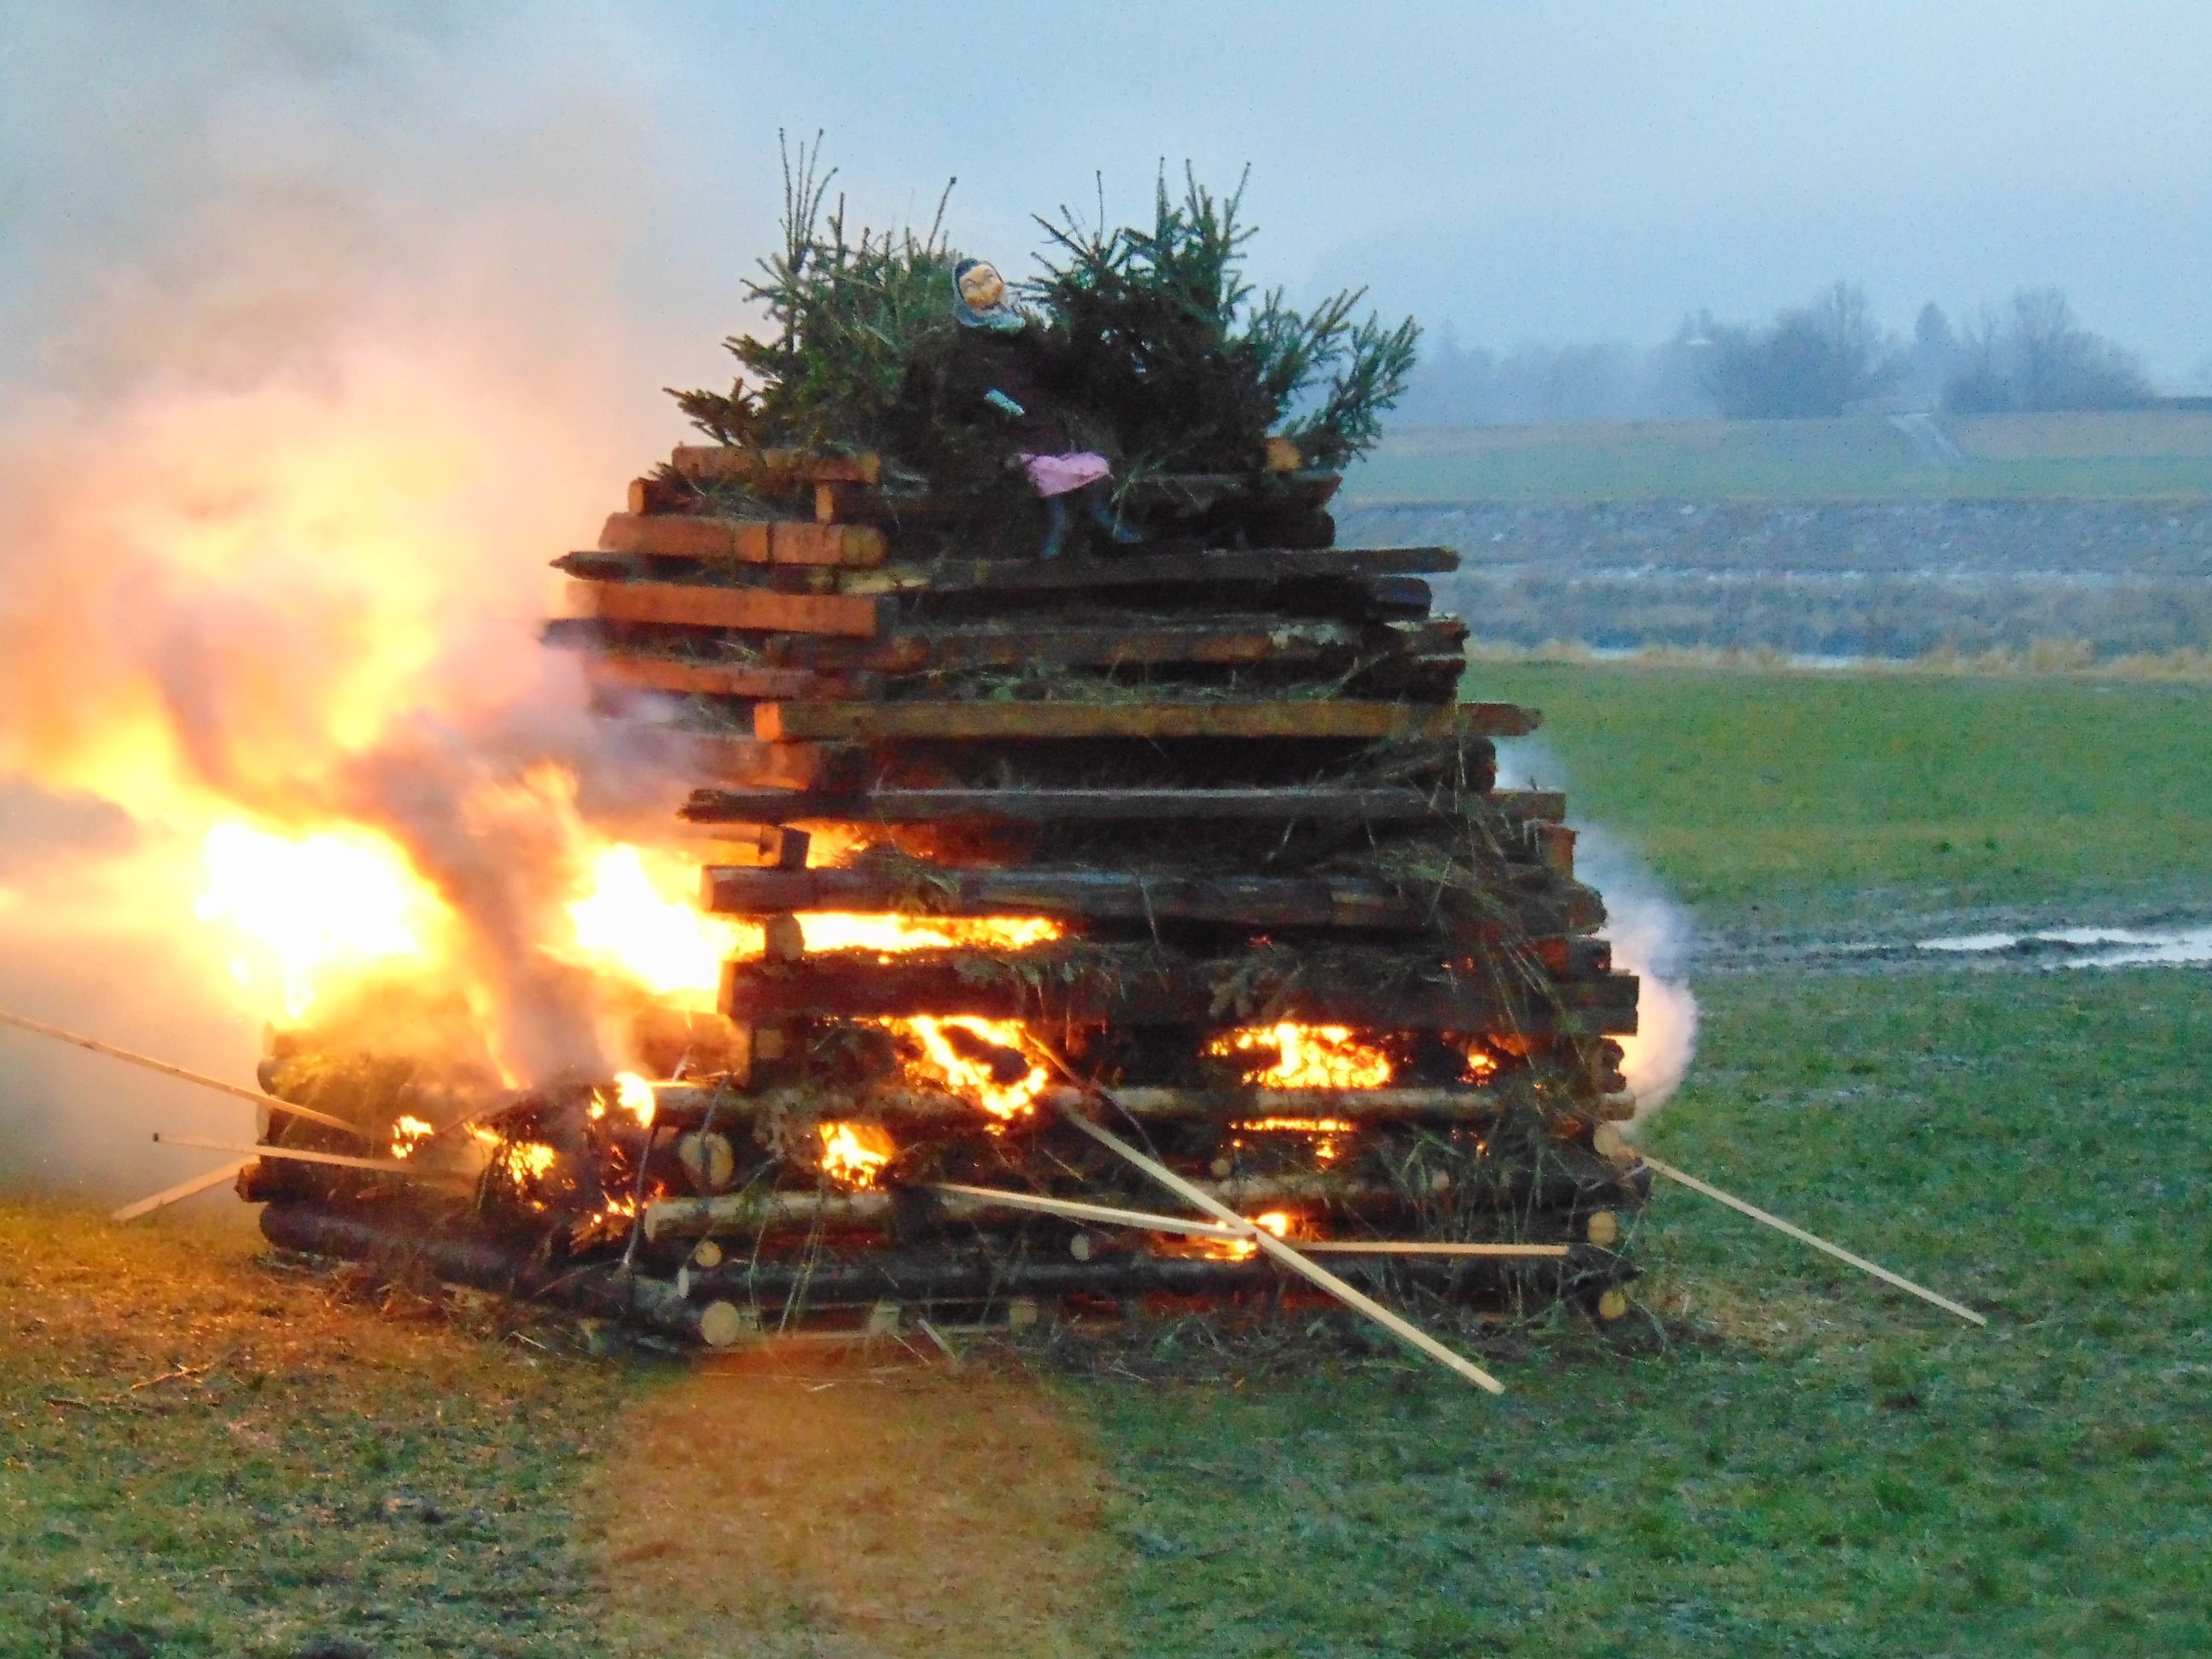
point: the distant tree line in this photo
(1825, 357)
(1533, 385)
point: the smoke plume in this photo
(1653, 936)
(320, 353)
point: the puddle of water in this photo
(2118, 947)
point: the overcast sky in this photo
(1518, 172)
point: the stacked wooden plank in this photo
(1236, 777)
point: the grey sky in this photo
(1518, 172)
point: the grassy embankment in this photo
(1795, 1461)
(2119, 456)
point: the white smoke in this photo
(322, 339)
(1653, 936)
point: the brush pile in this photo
(1188, 811)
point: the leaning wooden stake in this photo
(1149, 1221)
(150, 1063)
(182, 1190)
(1804, 1238)
(1405, 1330)
(336, 1160)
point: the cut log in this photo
(687, 605)
(1310, 718)
(743, 541)
(774, 468)
(1319, 804)
(1258, 900)
(923, 1110)
(859, 985)
(462, 1257)
(1258, 570)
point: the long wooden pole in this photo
(257, 1096)
(1814, 1240)
(1404, 1329)
(303, 1155)
(182, 1190)
(1107, 1214)
(1076, 1210)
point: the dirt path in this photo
(798, 1501)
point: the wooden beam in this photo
(407, 1167)
(652, 671)
(743, 541)
(780, 766)
(688, 604)
(780, 467)
(1262, 568)
(1226, 640)
(686, 1103)
(147, 1062)
(1307, 717)
(859, 985)
(1257, 901)
(182, 1190)
(1321, 803)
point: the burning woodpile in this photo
(1199, 820)
(1080, 830)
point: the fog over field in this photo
(1574, 172)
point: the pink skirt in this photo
(1056, 474)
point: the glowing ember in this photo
(1325, 1130)
(1480, 1063)
(972, 1074)
(1278, 1222)
(832, 930)
(854, 1154)
(1299, 1126)
(337, 900)
(527, 1160)
(408, 1134)
(1305, 1056)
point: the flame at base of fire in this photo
(856, 1154)
(1305, 1056)
(972, 1074)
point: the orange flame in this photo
(1306, 1056)
(854, 1154)
(300, 910)
(972, 1077)
(408, 1134)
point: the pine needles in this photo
(1149, 337)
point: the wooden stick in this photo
(302, 1155)
(1425, 1247)
(257, 1096)
(1804, 1238)
(182, 1190)
(1075, 1210)
(1405, 1330)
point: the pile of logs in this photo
(1192, 836)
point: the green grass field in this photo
(1780, 1457)
(1796, 788)
(2124, 456)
